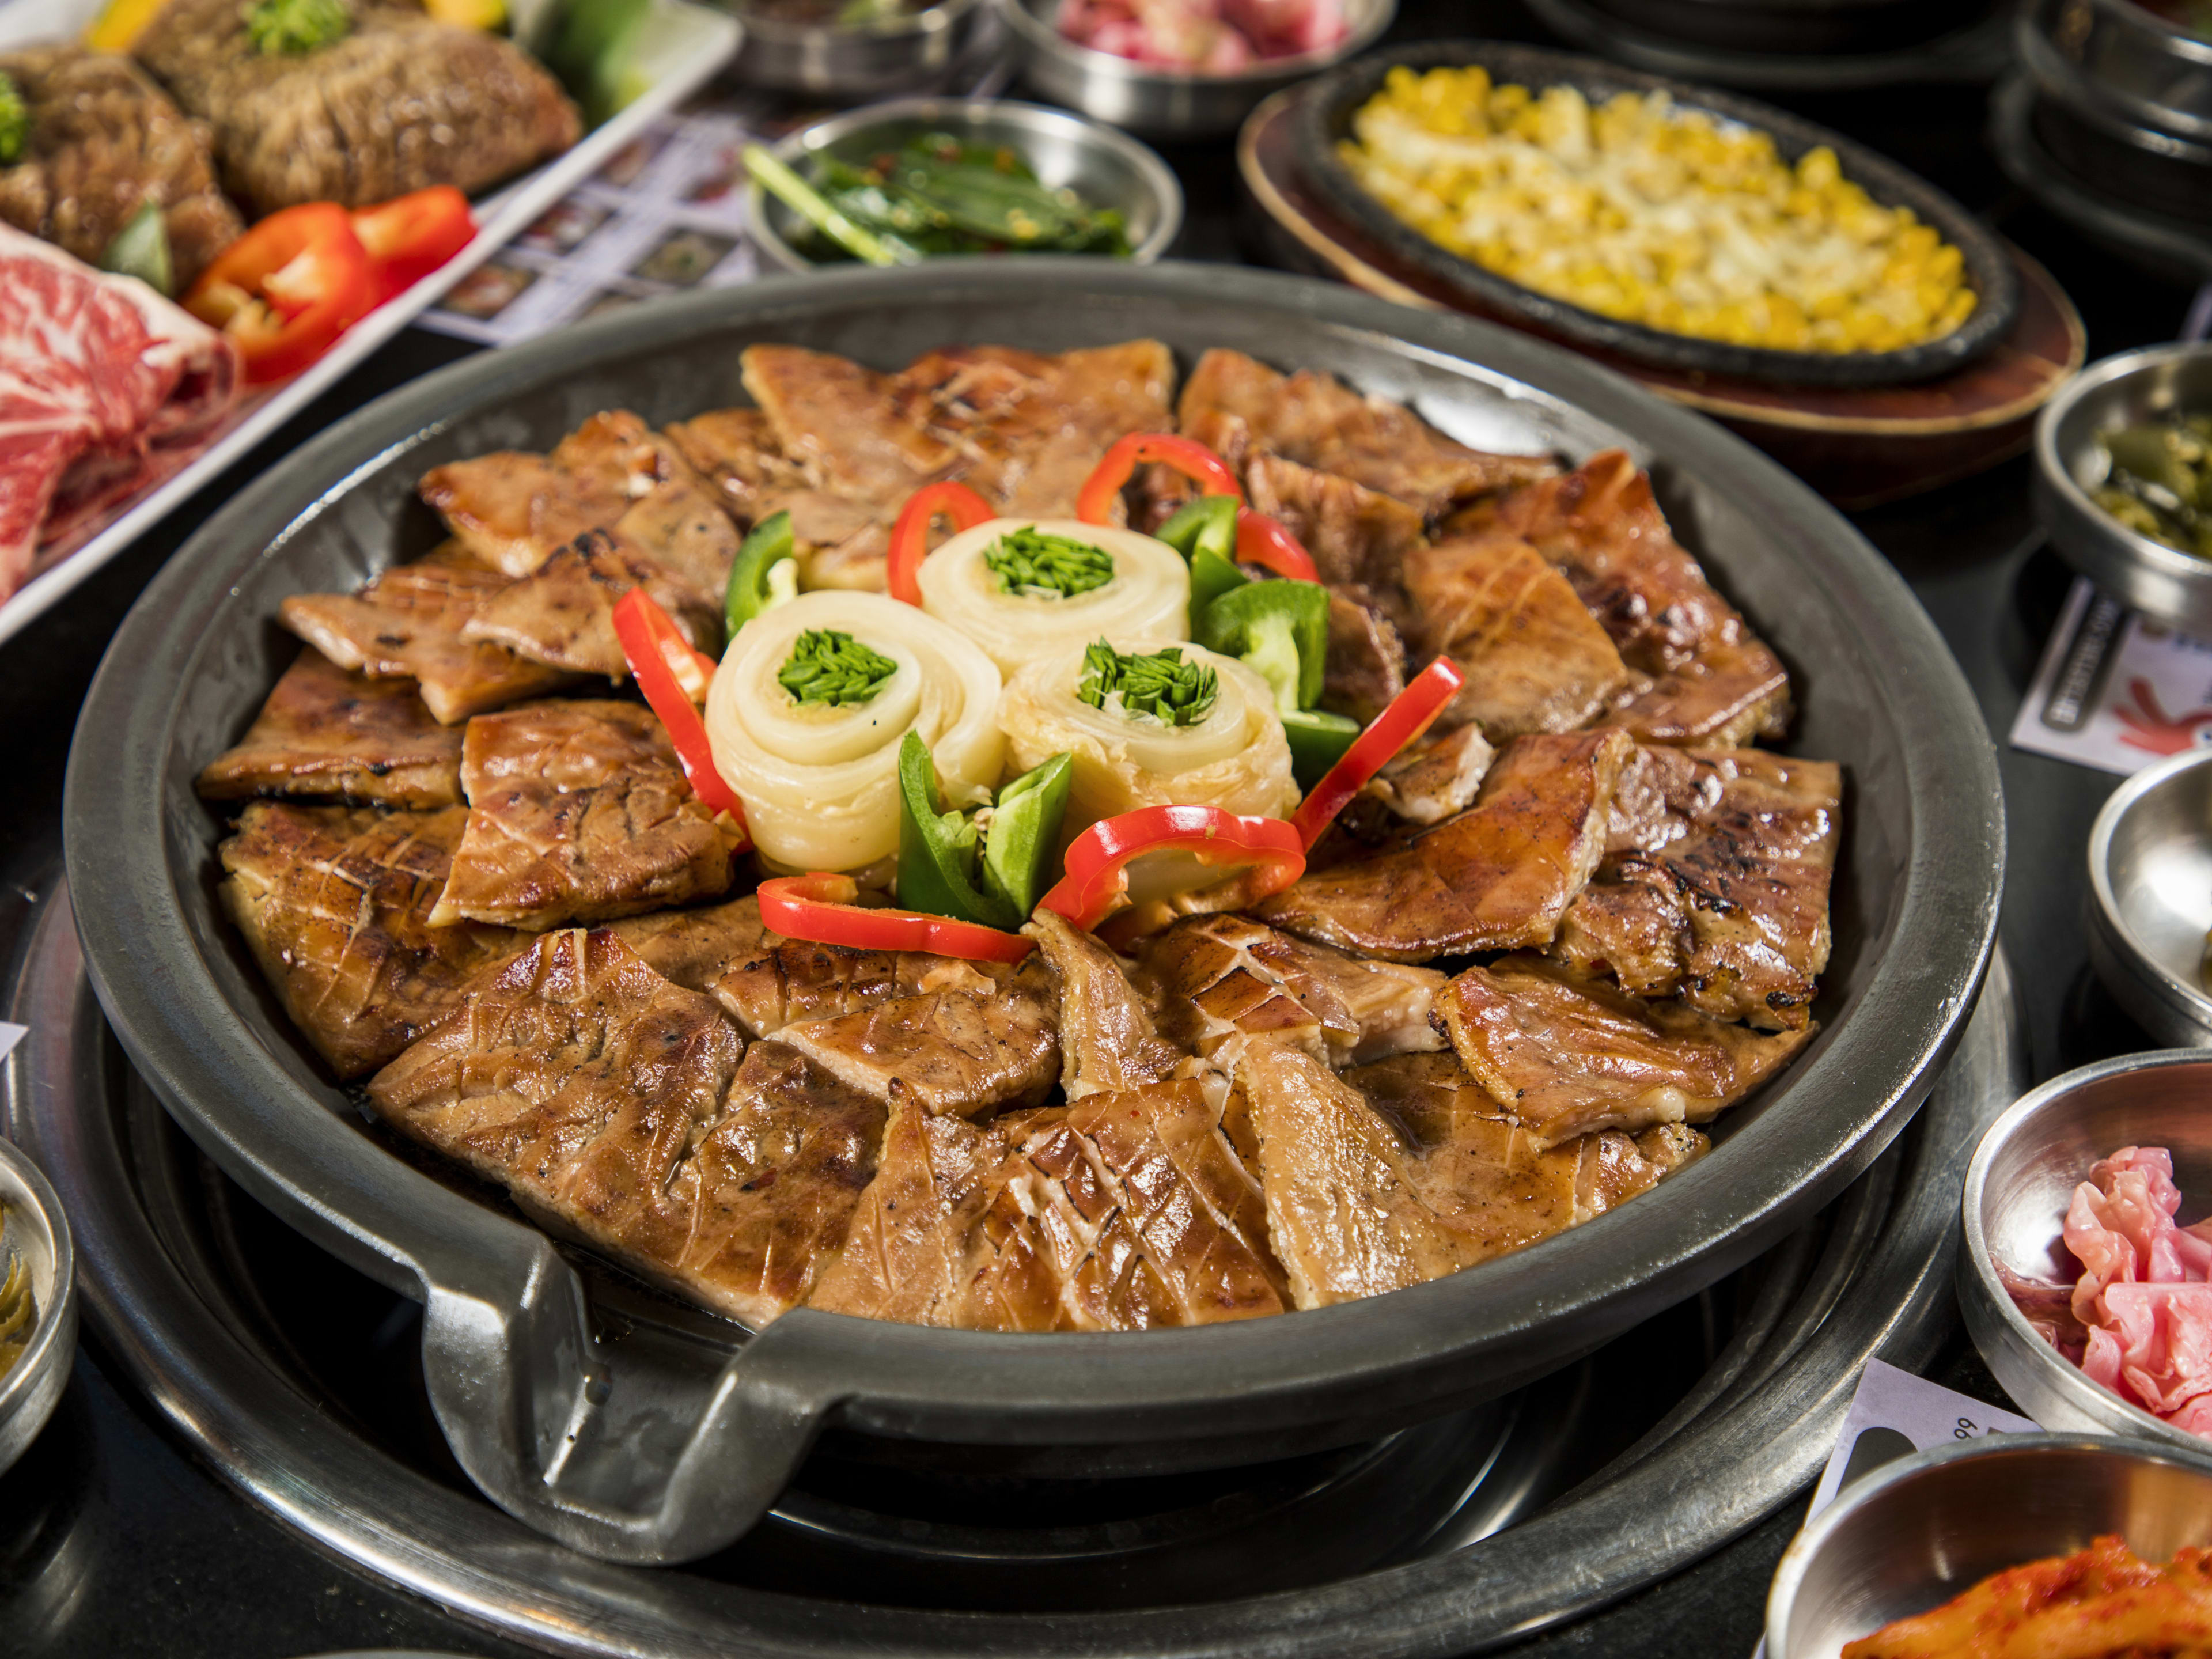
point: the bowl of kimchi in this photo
(2039, 1543)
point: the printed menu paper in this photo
(1894, 1414)
(2115, 689)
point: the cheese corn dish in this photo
(1649, 214)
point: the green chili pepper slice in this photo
(942, 856)
(1021, 850)
(1279, 628)
(1318, 740)
(1207, 525)
(765, 573)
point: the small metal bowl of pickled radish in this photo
(38, 1303)
(2150, 897)
(1090, 169)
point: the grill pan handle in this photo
(602, 1449)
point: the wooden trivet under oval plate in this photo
(1859, 447)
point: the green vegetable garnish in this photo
(1032, 561)
(765, 573)
(936, 195)
(1161, 685)
(1279, 628)
(14, 123)
(2160, 481)
(802, 199)
(826, 666)
(141, 249)
(1318, 740)
(292, 26)
(591, 46)
(962, 864)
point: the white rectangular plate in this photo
(683, 47)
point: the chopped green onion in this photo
(827, 667)
(1160, 686)
(289, 27)
(1033, 562)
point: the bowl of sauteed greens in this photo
(2124, 479)
(927, 178)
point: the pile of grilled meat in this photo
(1580, 917)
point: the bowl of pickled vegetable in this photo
(924, 178)
(2123, 480)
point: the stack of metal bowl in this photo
(2110, 118)
(858, 58)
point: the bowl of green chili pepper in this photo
(923, 178)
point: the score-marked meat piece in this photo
(1712, 681)
(1725, 901)
(1107, 1040)
(612, 1104)
(326, 733)
(579, 812)
(1533, 658)
(406, 623)
(334, 905)
(1497, 877)
(1122, 1210)
(1564, 1059)
(1219, 975)
(1366, 663)
(1315, 420)
(1355, 534)
(974, 1047)
(1394, 1174)
(562, 615)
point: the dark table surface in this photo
(165, 1559)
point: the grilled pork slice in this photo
(1393, 1174)
(406, 624)
(1433, 777)
(399, 103)
(1317, 421)
(1355, 534)
(335, 904)
(612, 1105)
(1030, 426)
(329, 734)
(562, 615)
(103, 141)
(1023, 429)
(1366, 665)
(1564, 1058)
(1216, 976)
(973, 1047)
(1712, 681)
(1107, 1041)
(579, 812)
(695, 948)
(1475, 1164)
(1533, 658)
(1120, 1211)
(736, 452)
(1497, 877)
(1721, 898)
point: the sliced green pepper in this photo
(765, 573)
(1318, 740)
(1207, 525)
(1020, 861)
(1279, 628)
(942, 854)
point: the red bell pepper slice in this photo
(910, 535)
(1094, 503)
(1410, 714)
(284, 291)
(1261, 541)
(1097, 877)
(819, 907)
(671, 675)
(409, 236)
